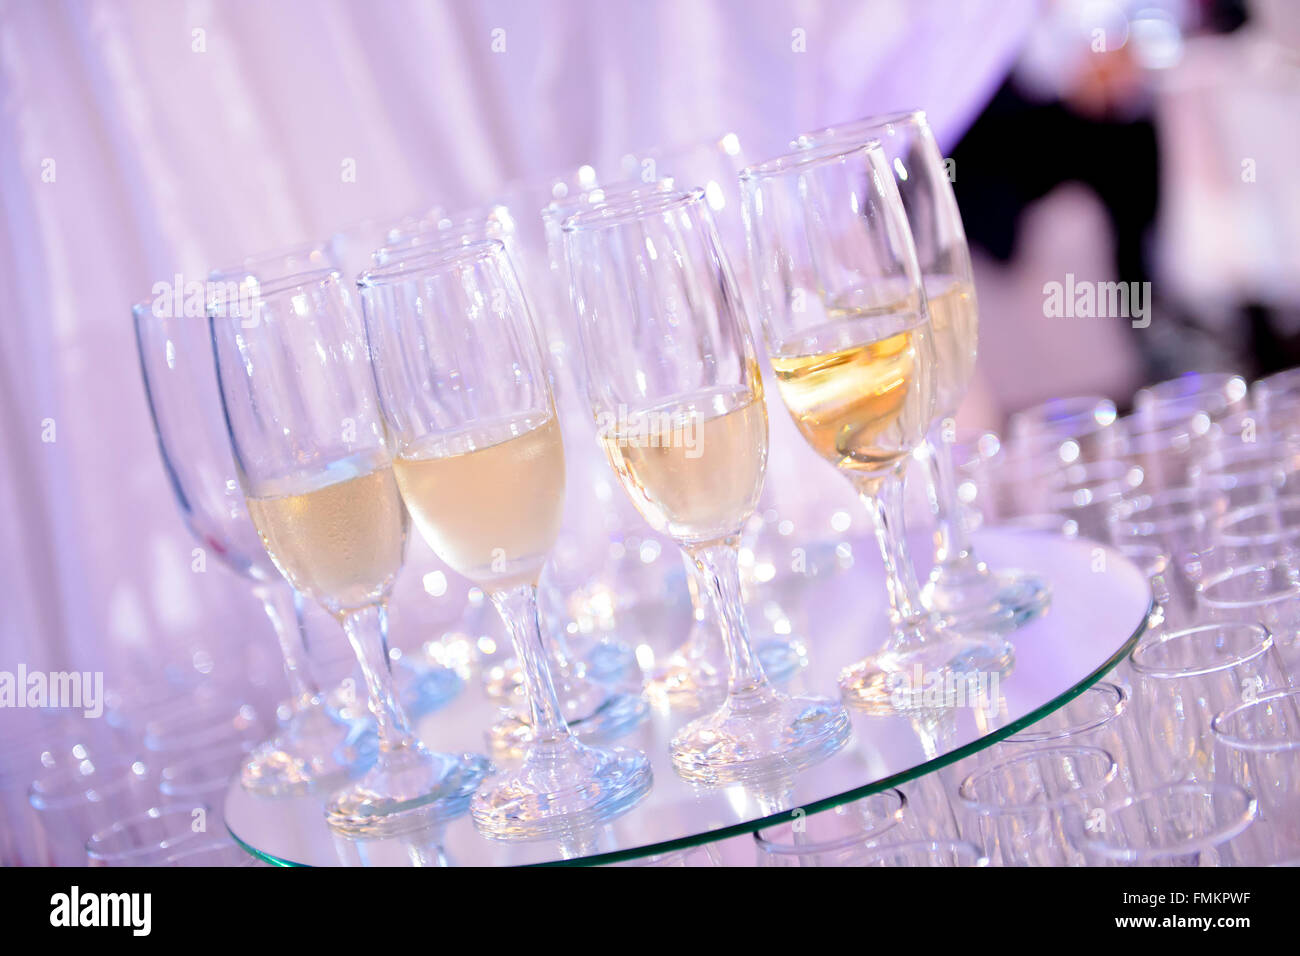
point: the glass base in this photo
(976, 599)
(952, 671)
(781, 658)
(614, 716)
(759, 735)
(315, 751)
(407, 789)
(562, 787)
(422, 690)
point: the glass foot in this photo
(422, 690)
(759, 735)
(562, 787)
(977, 599)
(408, 788)
(614, 716)
(954, 671)
(315, 751)
(781, 658)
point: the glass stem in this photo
(285, 611)
(705, 618)
(952, 544)
(518, 609)
(367, 631)
(884, 499)
(719, 566)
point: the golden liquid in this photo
(339, 536)
(694, 468)
(954, 317)
(488, 500)
(860, 389)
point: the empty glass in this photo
(1019, 806)
(1178, 824)
(1182, 678)
(147, 838)
(1260, 742)
(840, 836)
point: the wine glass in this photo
(313, 460)
(480, 464)
(421, 689)
(316, 748)
(674, 384)
(960, 587)
(851, 343)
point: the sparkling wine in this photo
(955, 320)
(693, 467)
(489, 499)
(859, 388)
(338, 534)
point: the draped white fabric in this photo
(142, 139)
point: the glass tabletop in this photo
(1100, 606)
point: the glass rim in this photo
(1198, 670)
(986, 808)
(633, 206)
(1230, 739)
(965, 848)
(913, 115)
(1236, 516)
(559, 210)
(71, 786)
(244, 266)
(157, 812)
(895, 817)
(431, 260)
(1287, 594)
(812, 156)
(263, 291)
(1219, 834)
(1115, 696)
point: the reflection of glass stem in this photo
(953, 548)
(284, 607)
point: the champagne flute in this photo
(313, 460)
(852, 346)
(960, 587)
(421, 689)
(593, 710)
(675, 388)
(480, 464)
(316, 748)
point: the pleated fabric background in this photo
(140, 139)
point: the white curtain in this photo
(141, 139)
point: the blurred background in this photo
(1148, 142)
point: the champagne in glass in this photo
(960, 587)
(480, 464)
(675, 388)
(314, 461)
(315, 748)
(853, 346)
